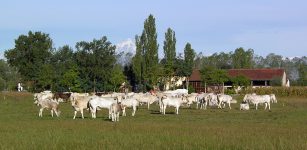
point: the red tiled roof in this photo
(195, 76)
(252, 74)
(257, 74)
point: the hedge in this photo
(278, 91)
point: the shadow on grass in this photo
(155, 112)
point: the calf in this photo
(48, 104)
(244, 106)
(115, 108)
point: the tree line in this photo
(95, 66)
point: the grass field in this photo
(284, 127)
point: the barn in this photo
(258, 77)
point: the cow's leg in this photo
(160, 104)
(256, 105)
(40, 114)
(219, 105)
(269, 106)
(265, 106)
(124, 111)
(134, 109)
(117, 116)
(94, 112)
(57, 112)
(75, 114)
(51, 112)
(110, 114)
(164, 107)
(177, 110)
(82, 114)
(148, 105)
(197, 105)
(229, 105)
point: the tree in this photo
(46, 78)
(198, 62)
(258, 61)
(151, 62)
(9, 77)
(213, 76)
(145, 62)
(242, 58)
(169, 54)
(30, 54)
(240, 81)
(71, 80)
(302, 71)
(179, 66)
(63, 60)
(95, 60)
(117, 77)
(189, 55)
(219, 60)
(273, 61)
(137, 60)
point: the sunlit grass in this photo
(284, 127)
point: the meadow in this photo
(284, 127)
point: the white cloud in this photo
(126, 46)
(1, 54)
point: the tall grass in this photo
(284, 127)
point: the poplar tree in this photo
(151, 62)
(189, 55)
(146, 62)
(169, 53)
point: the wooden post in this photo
(223, 88)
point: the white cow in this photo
(42, 96)
(212, 100)
(259, 99)
(146, 98)
(273, 98)
(202, 100)
(192, 98)
(79, 103)
(96, 103)
(129, 102)
(224, 99)
(177, 93)
(174, 102)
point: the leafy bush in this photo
(191, 89)
(230, 91)
(278, 91)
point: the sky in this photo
(267, 26)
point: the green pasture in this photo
(284, 127)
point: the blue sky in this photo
(267, 26)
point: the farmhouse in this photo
(258, 77)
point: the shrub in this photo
(191, 89)
(278, 91)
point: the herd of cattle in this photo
(118, 102)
